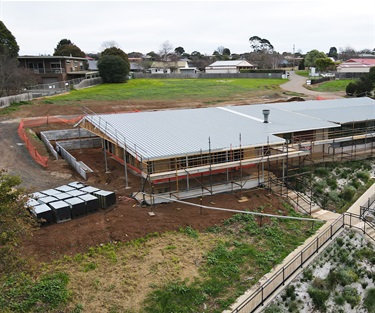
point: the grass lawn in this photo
(331, 86)
(182, 271)
(172, 89)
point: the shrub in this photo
(363, 176)
(290, 292)
(331, 182)
(322, 172)
(348, 193)
(351, 295)
(342, 276)
(307, 275)
(369, 300)
(319, 297)
(339, 300)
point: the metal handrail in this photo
(301, 258)
(308, 201)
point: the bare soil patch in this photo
(126, 220)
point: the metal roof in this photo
(162, 134)
(230, 63)
(336, 110)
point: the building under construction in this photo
(185, 153)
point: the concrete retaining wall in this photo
(64, 134)
(7, 101)
(75, 144)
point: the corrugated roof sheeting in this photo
(162, 134)
(336, 110)
(181, 132)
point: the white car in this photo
(328, 75)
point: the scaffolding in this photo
(236, 168)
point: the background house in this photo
(51, 69)
(222, 67)
(356, 66)
(160, 67)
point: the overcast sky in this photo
(202, 26)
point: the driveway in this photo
(296, 82)
(16, 160)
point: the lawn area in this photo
(172, 89)
(179, 271)
(331, 86)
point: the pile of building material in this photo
(68, 202)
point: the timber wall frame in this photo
(350, 140)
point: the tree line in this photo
(114, 66)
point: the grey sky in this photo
(195, 25)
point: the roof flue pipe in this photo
(265, 114)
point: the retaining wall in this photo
(7, 101)
(75, 144)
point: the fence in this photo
(34, 122)
(63, 86)
(7, 101)
(367, 209)
(262, 293)
(207, 75)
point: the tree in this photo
(312, 56)
(153, 56)
(361, 87)
(333, 53)
(371, 74)
(66, 48)
(165, 53)
(165, 50)
(110, 44)
(113, 51)
(260, 44)
(116, 52)
(347, 53)
(113, 69)
(8, 43)
(12, 78)
(323, 64)
(179, 50)
(222, 53)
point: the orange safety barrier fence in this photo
(27, 123)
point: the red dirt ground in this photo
(126, 220)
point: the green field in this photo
(331, 86)
(172, 89)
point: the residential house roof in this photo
(51, 57)
(232, 63)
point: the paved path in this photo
(296, 82)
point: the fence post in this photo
(330, 237)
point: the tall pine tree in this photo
(8, 43)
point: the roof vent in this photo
(265, 114)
